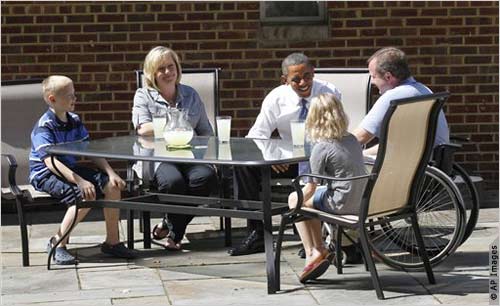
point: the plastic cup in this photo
(159, 122)
(298, 128)
(223, 128)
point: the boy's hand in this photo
(116, 181)
(87, 189)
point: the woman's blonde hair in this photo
(153, 61)
(326, 119)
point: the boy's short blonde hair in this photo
(326, 119)
(53, 85)
(152, 63)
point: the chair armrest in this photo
(300, 195)
(442, 156)
(459, 139)
(14, 188)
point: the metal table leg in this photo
(268, 229)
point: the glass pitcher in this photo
(178, 131)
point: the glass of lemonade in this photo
(159, 122)
(223, 128)
(298, 128)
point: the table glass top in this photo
(238, 151)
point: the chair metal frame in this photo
(404, 210)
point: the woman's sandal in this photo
(170, 245)
(162, 232)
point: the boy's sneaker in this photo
(61, 256)
(118, 250)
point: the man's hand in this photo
(87, 189)
(116, 181)
(280, 168)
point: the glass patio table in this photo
(243, 152)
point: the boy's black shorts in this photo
(62, 191)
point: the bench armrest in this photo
(16, 191)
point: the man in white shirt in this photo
(284, 103)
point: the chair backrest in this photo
(22, 106)
(405, 147)
(354, 84)
(205, 81)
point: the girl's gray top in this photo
(344, 159)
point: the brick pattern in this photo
(453, 45)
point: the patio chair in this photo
(406, 141)
(355, 86)
(22, 106)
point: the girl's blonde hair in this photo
(153, 61)
(326, 119)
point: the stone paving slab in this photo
(204, 274)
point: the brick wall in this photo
(452, 46)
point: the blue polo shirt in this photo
(408, 88)
(49, 130)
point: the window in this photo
(293, 12)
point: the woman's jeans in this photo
(184, 179)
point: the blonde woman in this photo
(163, 90)
(336, 153)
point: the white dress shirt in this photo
(281, 105)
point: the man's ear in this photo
(283, 80)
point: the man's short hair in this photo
(293, 60)
(391, 60)
(52, 85)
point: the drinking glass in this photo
(298, 128)
(223, 128)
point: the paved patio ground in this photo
(203, 273)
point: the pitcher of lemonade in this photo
(178, 131)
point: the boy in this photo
(60, 125)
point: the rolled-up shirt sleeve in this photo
(203, 126)
(140, 111)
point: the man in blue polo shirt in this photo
(391, 75)
(60, 125)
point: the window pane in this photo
(292, 11)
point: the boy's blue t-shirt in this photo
(49, 130)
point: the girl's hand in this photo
(280, 168)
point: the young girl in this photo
(335, 153)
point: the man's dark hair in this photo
(293, 60)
